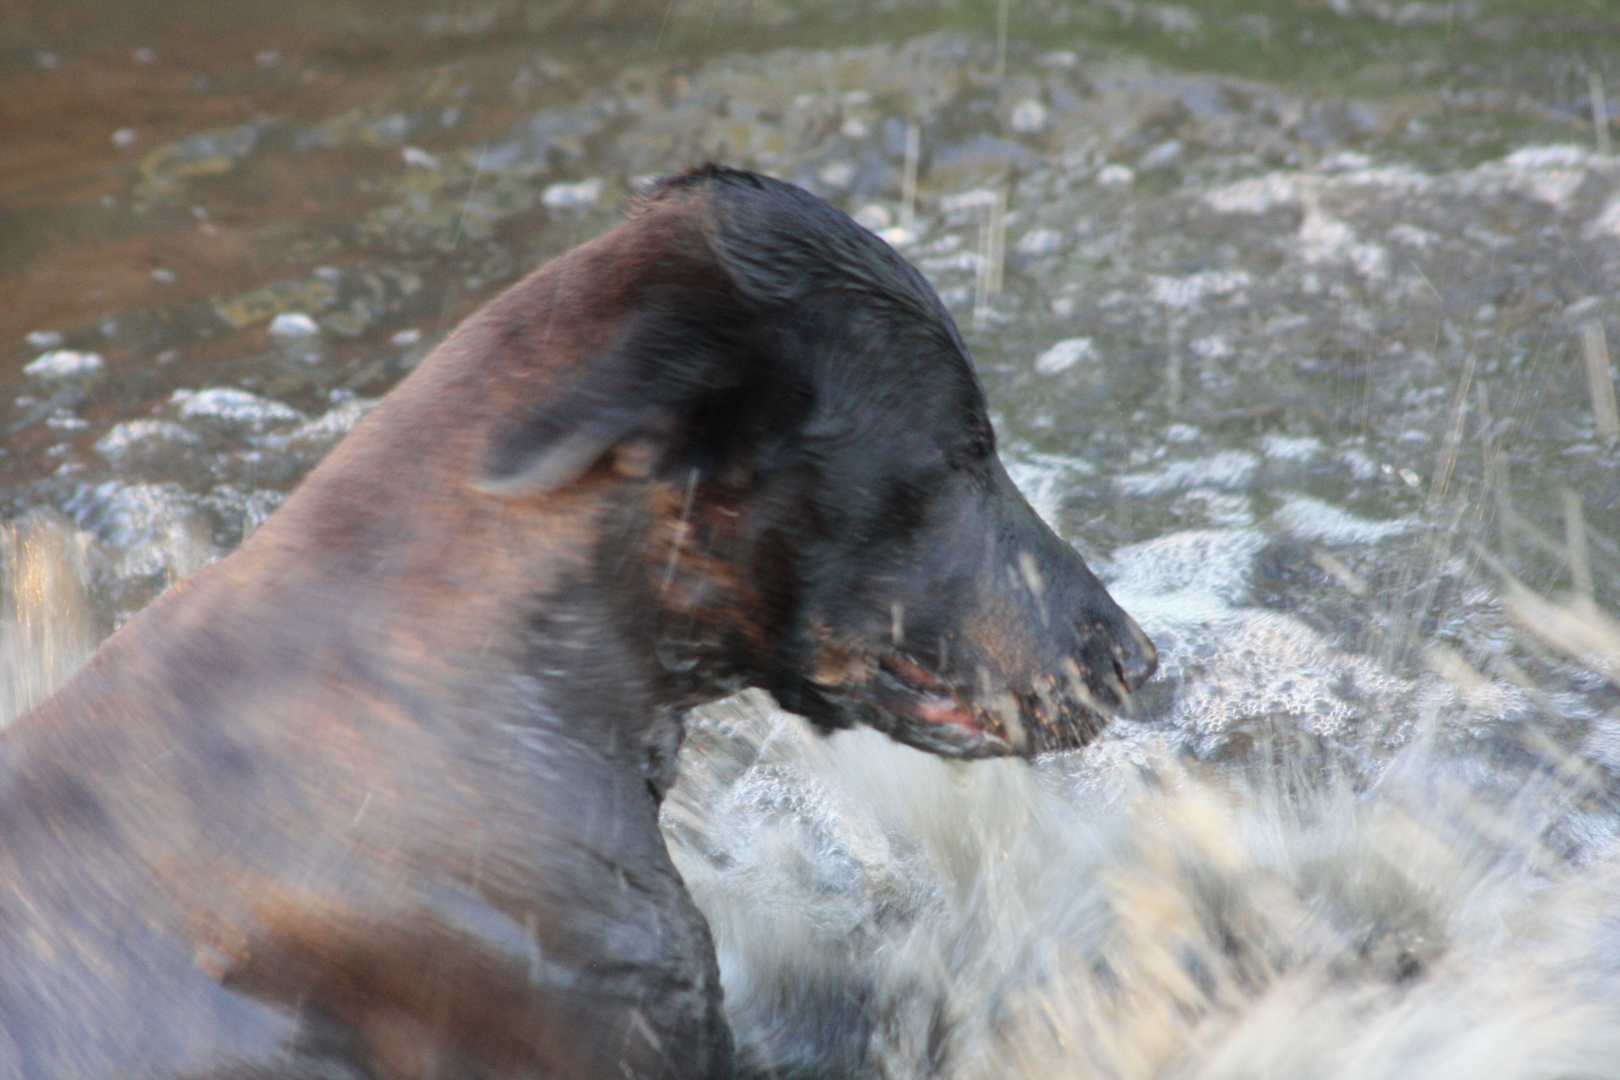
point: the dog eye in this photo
(979, 444)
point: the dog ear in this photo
(548, 454)
(649, 386)
(612, 400)
(684, 330)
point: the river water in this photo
(1297, 319)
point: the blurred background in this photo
(1296, 317)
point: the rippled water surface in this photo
(1296, 318)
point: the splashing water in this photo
(47, 624)
(882, 913)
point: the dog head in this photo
(818, 508)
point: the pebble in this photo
(1160, 157)
(573, 196)
(1029, 117)
(293, 324)
(1115, 175)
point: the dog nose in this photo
(1135, 658)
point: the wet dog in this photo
(377, 795)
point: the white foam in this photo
(64, 363)
(1312, 519)
(1065, 354)
(1227, 469)
(1039, 242)
(233, 406)
(1255, 195)
(1551, 174)
(154, 529)
(328, 427)
(1607, 223)
(134, 434)
(1044, 479)
(1290, 448)
(1183, 292)
(1195, 578)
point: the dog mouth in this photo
(925, 710)
(932, 715)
